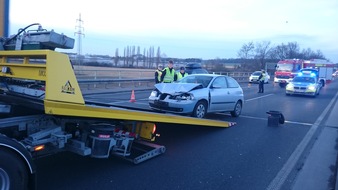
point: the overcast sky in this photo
(204, 29)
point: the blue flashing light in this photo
(306, 72)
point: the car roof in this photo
(259, 72)
(205, 74)
(309, 69)
(193, 66)
(306, 75)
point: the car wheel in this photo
(237, 110)
(200, 109)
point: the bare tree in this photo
(319, 55)
(310, 54)
(138, 55)
(262, 49)
(151, 57)
(246, 52)
(124, 57)
(132, 55)
(128, 56)
(144, 58)
(306, 53)
(116, 58)
(158, 57)
(293, 50)
(148, 58)
(279, 52)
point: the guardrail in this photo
(112, 73)
(92, 79)
(239, 76)
(113, 83)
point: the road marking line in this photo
(123, 102)
(280, 178)
(298, 123)
(291, 122)
(258, 97)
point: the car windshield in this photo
(284, 67)
(304, 79)
(257, 73)
(204, 80)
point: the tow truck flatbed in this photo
(63, 95)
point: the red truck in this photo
(287, 69)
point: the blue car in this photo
(197, 95)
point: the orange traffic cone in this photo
(132, 97)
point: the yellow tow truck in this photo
(42, 112)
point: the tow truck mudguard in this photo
(17, 149)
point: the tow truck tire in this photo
(200, 109)
(237, 110)
(13, 172)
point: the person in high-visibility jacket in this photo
(261, 80)
(181, 74)
(158, 74)
(168, 74)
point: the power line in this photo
(79, 34)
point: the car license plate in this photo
(160, 103)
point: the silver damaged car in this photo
(199, 94)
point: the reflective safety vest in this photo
(159, 74)
(179, 75)
(169, 76)
(263, 77)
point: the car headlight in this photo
(153, 94)
(185, 97)
(311, 88)
(289, 86)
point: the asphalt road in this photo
(248, 155)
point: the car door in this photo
(218, 95)
(234, 93)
